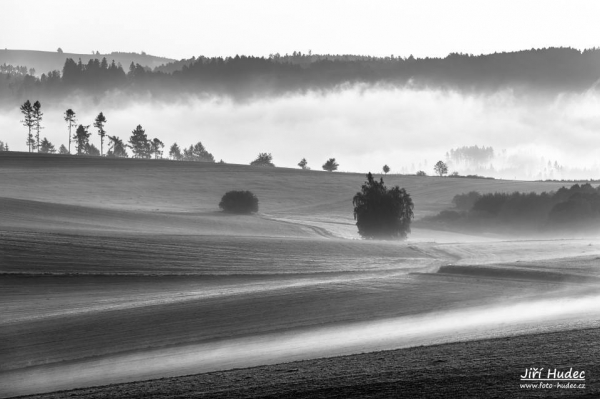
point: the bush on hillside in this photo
(263, 159)
(241, 202)
(381, 212)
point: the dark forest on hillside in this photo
(574, 208)
(546, 70)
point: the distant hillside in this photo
(46, 61)
(546, 71)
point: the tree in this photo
(91, 149)
(28, 121)
(175, 152)
(3, 146)
(81, 138)
(59, 50)
(46, 147)
(244, 202)
(382, 213)
(197, 153)
(139, 143)
(70, 119)
(303, 163)
(156, 148)
(421, 173)
(116, 148)
(330, 165)
(386, 169)
(440, 168)
(63, 149)
(263, 159)
(99, 124)
(37, 122)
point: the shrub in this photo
(330, 165)
(244, 202)
(382, 213)
(421, 173)
(263, 159)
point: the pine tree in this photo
(156, 148)
(139, 143)
(37, 119)
(47, 147)
(81, 137)
(70, 119)
(175, 152)
(116, 148)
(99, 124)
(28, 121)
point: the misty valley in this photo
(304, 225)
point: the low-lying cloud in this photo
(362, 127)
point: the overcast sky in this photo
(185, 28)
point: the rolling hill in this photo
(46, 61)
(120, 270)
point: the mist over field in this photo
(363, 126)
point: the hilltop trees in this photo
(99, 124)
(244, 202)
(303, 164)
(156, 147)
(140, 146)
(28, 121)
(386, 169)
(330, 165)
(175, 152)
(116, 148)
(63, 150)
(197, 153)
(381, 212)
(263, 159)
(46, 147)
(91, 149)
(70, 119)
(440, 168)
(81, 138)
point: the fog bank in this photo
(362, 127)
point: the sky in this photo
(184, 28)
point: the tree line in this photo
(139, 143)
(79, 135)
(554, 69)
(567, 208)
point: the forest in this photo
(574, 208)
(545, 70)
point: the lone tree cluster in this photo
(241, 202)
(382, 213)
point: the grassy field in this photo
(123, 270)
